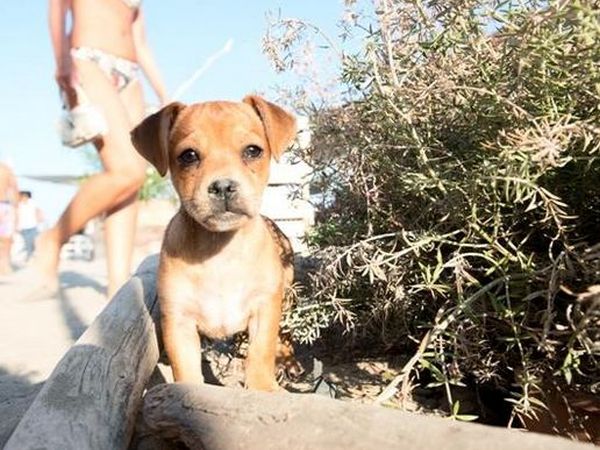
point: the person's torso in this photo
(104, 24)
(27, 215)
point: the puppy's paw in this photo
(263, 384)
(290, 368)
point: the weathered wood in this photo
(286, 200)
(218, 418)
(91, 398)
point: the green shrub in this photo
(461, 178)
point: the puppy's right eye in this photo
(188, 157)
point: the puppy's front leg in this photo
(182, 344)
(263, 330)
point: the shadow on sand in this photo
(16, 395)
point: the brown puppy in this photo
(223, 267)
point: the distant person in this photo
(29, 219)
(8, 218)
(102, 52)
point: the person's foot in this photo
(39, 278)
(5, 268)
(46, 256)
(28, 284)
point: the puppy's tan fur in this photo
(223, 267)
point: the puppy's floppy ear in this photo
(280, 126)
(151, 137)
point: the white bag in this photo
(83, 123)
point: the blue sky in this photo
(182, 33)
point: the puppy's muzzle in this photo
(225, 196)
(223, 189)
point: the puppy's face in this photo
(218, 154)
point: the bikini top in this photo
(133, 4)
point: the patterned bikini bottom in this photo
(121, 71)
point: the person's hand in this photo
(66, 78)
(65, 73)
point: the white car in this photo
(80, 246)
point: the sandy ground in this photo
(36, 332)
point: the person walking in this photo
(102, 53)
(29, 219)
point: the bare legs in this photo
(121, 218)
(94, 197)
(112, 191)
(5, 245)
(119, 234)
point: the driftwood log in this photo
(91, 399)
(218, 418)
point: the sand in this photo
(36, 332)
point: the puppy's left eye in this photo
(252, 152)
(188, 157)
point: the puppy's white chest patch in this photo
(222, 313)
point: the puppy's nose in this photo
(223, 188)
